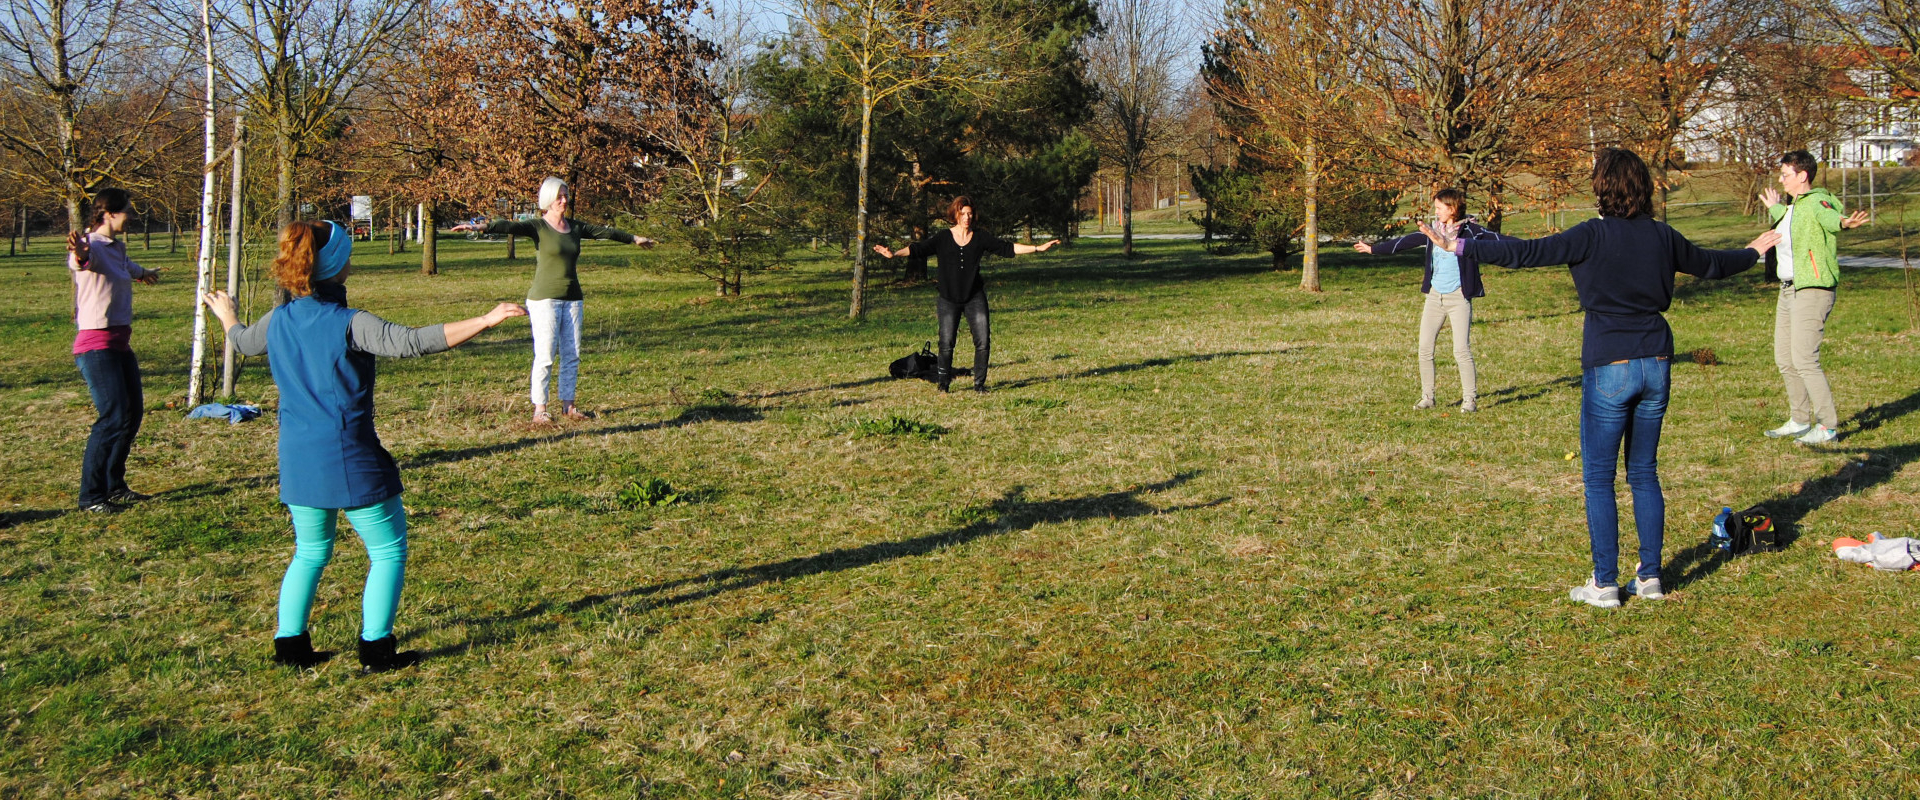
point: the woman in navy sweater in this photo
(1623, 265)
(331, 461)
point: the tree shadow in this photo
(827, 388)
(726, 412)
(1875, 467)
(1137, 366)
(1532, 391)
(1011, 512)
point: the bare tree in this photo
(1676, 51)
(1129, 62)
(1279, 64)
(297, 65)
(887, 48)
(589, 91)
(1478, 93)
(87, 93)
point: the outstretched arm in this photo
(592, 231)
(1023, 249)
(248, 340)
(1566, 247)
(459, 332)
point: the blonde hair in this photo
(550, 191)
(300, 242)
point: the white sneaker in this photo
(1820, 434)
(1425, 402)
(1790, 430)
(1596, 596)
(1645, 589)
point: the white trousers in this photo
(555, 322)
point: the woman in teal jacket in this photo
(322, 353)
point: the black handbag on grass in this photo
(1752, 531)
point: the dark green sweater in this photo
(554, 273)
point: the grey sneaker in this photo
(1596, 596)
(1645, 588)
(1469, 406)
(1790, 430)
(1425, 402)
(1820, 434)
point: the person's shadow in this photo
(1011, 512)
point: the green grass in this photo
(1196, 543)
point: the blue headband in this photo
(333, 258)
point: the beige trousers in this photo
(1799, 323)
(1457, 311)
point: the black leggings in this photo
(975, 309)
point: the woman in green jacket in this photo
(1809, 270)
(554, 303)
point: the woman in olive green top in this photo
(554, 302)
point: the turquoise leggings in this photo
(382, 528)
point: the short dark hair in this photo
(1621, 183)
(1802, 161)
(109, 201)
(963, 201)
(1454, 198)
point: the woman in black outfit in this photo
(961, 290)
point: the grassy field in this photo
(1196, 543)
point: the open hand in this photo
(1043, 248)
(77, 245)
(152, 277)
(1441, 234)
(504, 311)
(1764, 242)
(642, 241)
(221, 304)
(883, 251)
(1855, 220)
(1769, 197)
(1363, 247)
(464, 227)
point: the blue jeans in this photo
(113, 378)
(1626, 400)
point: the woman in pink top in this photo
(103, 279)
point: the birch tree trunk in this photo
(233, 251)
(203, 273)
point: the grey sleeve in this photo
(371, 334)
(250, 340)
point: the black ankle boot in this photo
(297, 651)
(378, 655)
(946, 377)
(980, 386)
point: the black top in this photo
(1623, 271)
(960, 266)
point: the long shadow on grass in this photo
(1012, 512)
(1139, 365)
(1532, 391)
(1875, 416)
(695, 414)
(1876, 466)
(9, 519)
